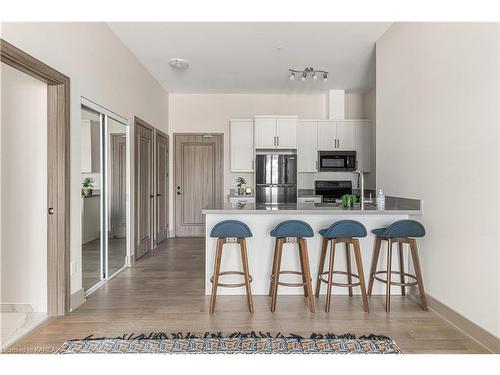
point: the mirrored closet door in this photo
(104, 184)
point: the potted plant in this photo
(348, 200)
(242, 185)
(87, 185)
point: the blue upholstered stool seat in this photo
(292, 228)
(344, 228)
(401, 228)
(231, 228)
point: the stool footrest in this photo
(346, 285)
(414, 283)
(231, 285)
(291, 285)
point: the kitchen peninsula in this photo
(263, 218)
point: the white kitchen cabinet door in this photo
(363, 145)
(307, 146)
(327, 135)
(241, 146)
(286, 131)
(265, 132)
(346, 136)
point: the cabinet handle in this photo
(316, 165)
(253, 165)
(277, 140)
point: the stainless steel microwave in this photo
(336, 161)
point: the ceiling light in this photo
(309, 71)
(178, 63)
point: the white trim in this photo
(77, 299)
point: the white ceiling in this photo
(245, 57)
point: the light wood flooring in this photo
(164, 292)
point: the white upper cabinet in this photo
(363, 145)
(336, 135)
(275, 132)
(241, 145)
(327, 135)
(286, 133)
(346, 136)
(307, 146)
(265, 132)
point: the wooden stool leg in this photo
(373, 268)
(330, 275)
(215, 276)
(276, 273)
(272, 269)
(302, 268)
(348, 259)
(418, 274)
(389, 276)
(246, 273)
(401, 267)
(322, 257)
(361, 274)
(307, 271)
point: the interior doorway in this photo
(199, 180)
(162, 157)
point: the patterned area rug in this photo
(237, 343)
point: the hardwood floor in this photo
(164, 292)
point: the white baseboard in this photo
(77, 299)
(466, 326)
(129, 260)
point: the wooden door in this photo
(198, 180)
(286, 131)
(118, 185)
(346, 135)
(143, 187)
(161, 186)
(265, 132)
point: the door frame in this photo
(219, 182)
(58, 163)
(164, 135)
(138, 121)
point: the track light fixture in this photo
(306, 72)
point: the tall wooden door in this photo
(143, 187)
(118, 185)
(198, 180)
(161, 186)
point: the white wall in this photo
(23, 244)
(438, 140)
(102, 69)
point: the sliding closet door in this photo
(143, 187)
(161, 186)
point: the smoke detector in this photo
(178, 63)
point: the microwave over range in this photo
(337, 161)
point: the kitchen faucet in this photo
(362, 189)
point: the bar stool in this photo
(343, 231)
(400, 232)
(291, 231)
(230, 232)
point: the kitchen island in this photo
(263, 218)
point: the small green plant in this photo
(87, 185)
(348, 200)
(240, 181)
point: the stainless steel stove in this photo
(332, 190)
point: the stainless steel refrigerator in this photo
(276, 179)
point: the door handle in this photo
(151, 195)
(178, 193)
(158, 195)
(51, 211)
